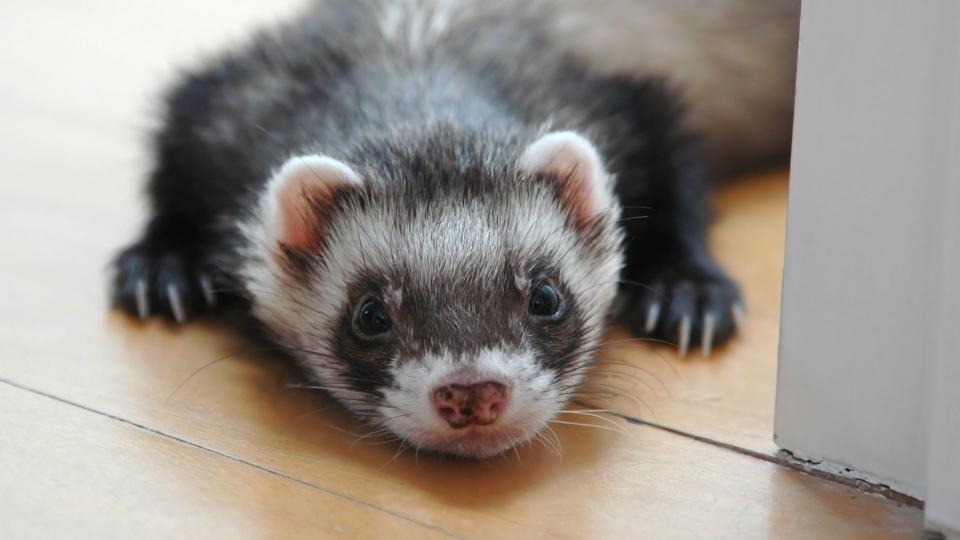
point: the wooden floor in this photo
(112, 428)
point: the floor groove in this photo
(223, 455)
(784, 458)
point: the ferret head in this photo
(453, 297)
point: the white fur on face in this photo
(533, 400)
(466, 238)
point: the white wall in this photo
(943, 455)
(870, 296)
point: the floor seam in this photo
(783, 459)
(225, 455)
(786, 459)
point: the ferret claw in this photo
(143, 301)
(709, 327)
(653, 313)
(206, 285)
(685, 323)
(176, 303)
(738, 317)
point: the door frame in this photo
(869, 365)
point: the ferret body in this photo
(733, 62)
(432, 208)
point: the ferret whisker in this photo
(608, 346)
(636, 340)
(603, 359)
(404, 445)
(592, 415)
(631, 218)
(544, 441)
(274, 136)
(603, 346)
(312, 352)
(333, 427)
(539, 439)
(617, 393)
(604, 371)
(593, 426)
(391, 440)
(660, 294)
(416, 455)
(376, 433)
(217, 360)
(556, 438)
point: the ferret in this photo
(431, 206)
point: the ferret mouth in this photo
(474, 441)
(481, 442)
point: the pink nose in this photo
(462, 405)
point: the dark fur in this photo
(328, 83)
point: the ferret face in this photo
(462, 319)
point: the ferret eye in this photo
(371, 320)
(545, 302)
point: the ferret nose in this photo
(461, 405)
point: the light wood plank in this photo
(637, 481)
(71, 473)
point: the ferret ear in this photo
(300, 196)
(570, 160)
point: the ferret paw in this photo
(688, 307)
(145, 283)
